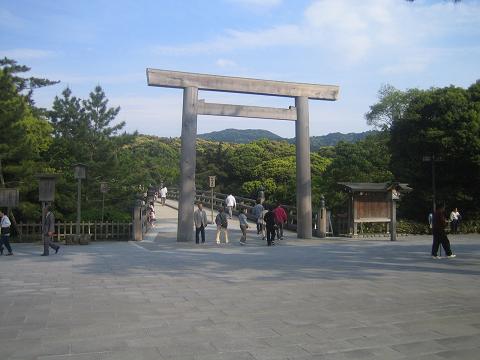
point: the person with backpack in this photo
(5, 233)
(280, 220)
(222, 224)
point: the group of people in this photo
(48, 230)
(269, 220)
(162, 194)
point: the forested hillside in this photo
(245, 136)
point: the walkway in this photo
(318, 299)
(165, 231)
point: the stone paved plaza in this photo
(318, 299)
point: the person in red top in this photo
(280, 219)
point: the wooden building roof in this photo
(374, 187)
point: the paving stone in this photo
(303, 299)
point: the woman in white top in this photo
(454, 220)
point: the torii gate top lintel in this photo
(179, 79)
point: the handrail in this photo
(205, 197)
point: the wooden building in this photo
(373, 203)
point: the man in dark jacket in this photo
(222, 224)
(269, 219)
(439, 235)
(48, 230)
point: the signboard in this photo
(46, 187)
(212, 181)
(103, 187)
(9, 197)
(395, 195)
(80, 171)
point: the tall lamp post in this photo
(211, 182)
(103, 190)
(80, 172)
(433, 160)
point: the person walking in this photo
(200, 220)
(263, 225)
(269, 219)
(242, 218)
(231, 203)
(5, 233)
(222, 224)
(163, 195)
(151, 213)
(257, 213)
(439, 235)
(48, 229)
(454, 220)
(280, 220)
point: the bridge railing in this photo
(205, 197)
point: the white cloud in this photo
(225, 63)
(235, 40)
(351, 32)
(27, 54)
(408, 64)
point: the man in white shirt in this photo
(230, 202)
(5, 233)
(163, 195)
(454, 220)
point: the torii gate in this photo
(191, 83)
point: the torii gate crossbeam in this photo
(191, 83)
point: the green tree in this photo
(365, 161)
(390, 107)
(444, 122)
(25, 134)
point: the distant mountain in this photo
(240, 136)
(245, 136)
(332, 139)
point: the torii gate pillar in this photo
(188, 161)
(304, 179)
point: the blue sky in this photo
(356, 44)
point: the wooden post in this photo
(393, 221)
(137, 223)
